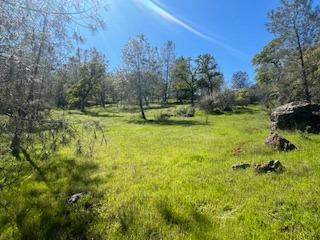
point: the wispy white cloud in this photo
(157, 9)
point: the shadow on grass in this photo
(129, 109)
(38, 208)
(95, 114)
(75, 175)
(192, 221)
(169, 122)
(136, 109)
(102, 114)
(242, 110)
(156, 107)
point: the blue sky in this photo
(232, 31)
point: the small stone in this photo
(278, 166)
(271, 166)
(74, 198)
(241, 166)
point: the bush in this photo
(185, 111)
(256, 94)
(163, 116)
(242, 97)
(222, 101)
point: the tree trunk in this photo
(305, 78)
(166, 89)
(140, 96)
(165, 95)
(82, 105)
(146, 101)
(210, 85)
(140, 91)
(102, 100)
(192, 89)
(303, 69)
(15, 145)
(192, 97)
(38, 58)
(141, 107)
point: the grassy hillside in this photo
(170, 180)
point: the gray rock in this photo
(299, 115)
(271, 166)
(279, 143)
(74, 198)
(241, 166)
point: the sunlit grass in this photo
(171, 180)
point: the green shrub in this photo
(217, 102)
(163, 116)
(242, 97)
(185, 111)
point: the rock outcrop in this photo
(300, 115)
(279, 143)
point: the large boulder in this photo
(300, 115)
(279, 143)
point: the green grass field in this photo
(170, 180)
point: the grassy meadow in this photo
(169, 179)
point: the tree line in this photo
(287, 68)
(147, 74)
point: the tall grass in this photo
(170, 179)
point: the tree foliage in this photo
(240, 80)
(92, 76)
(142, 68)
(35, 36)
(167, 60)
(184, 73)
(282, 66)
(210, 76)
